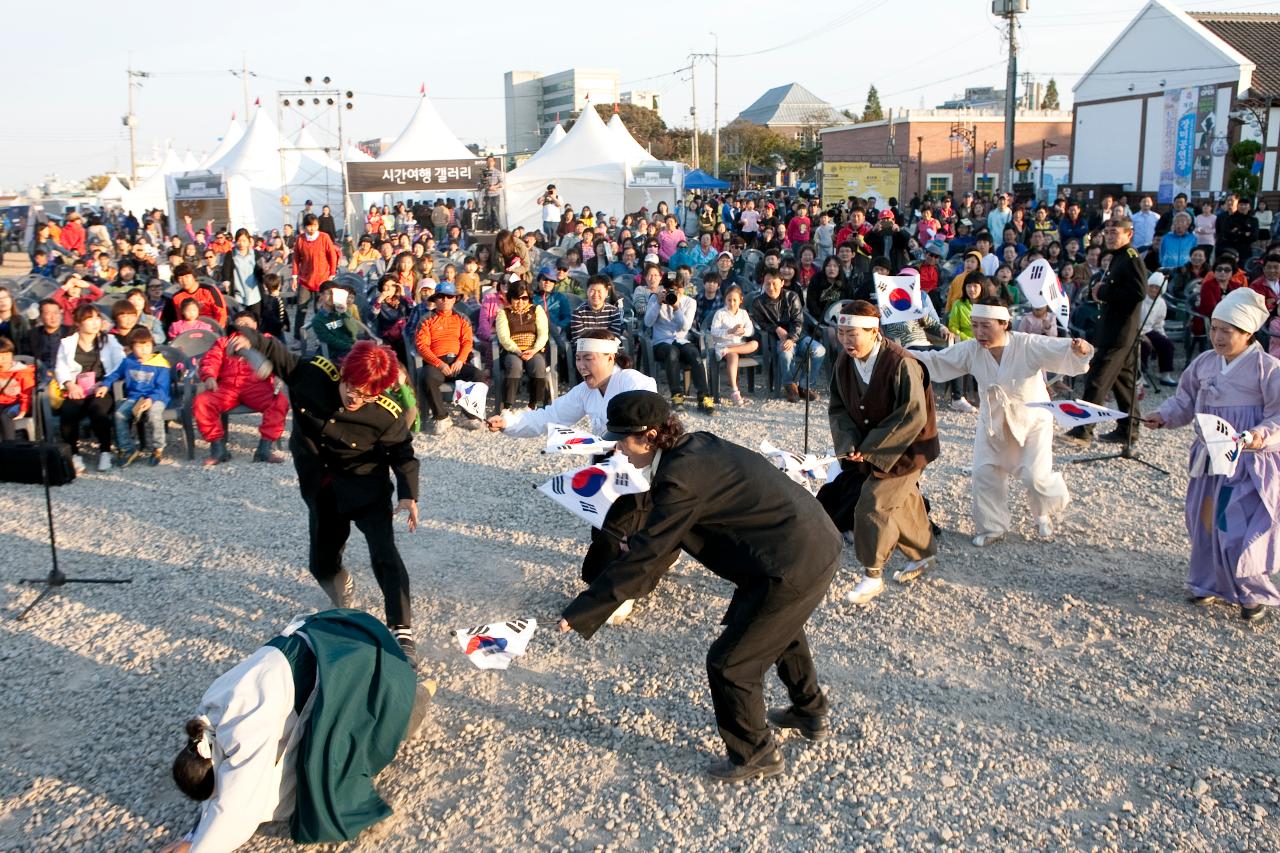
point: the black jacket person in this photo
(348, 436)
(1120, 293)
(731, 509)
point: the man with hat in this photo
(747, 522)
(1114, 369)
(1231, 518)
(889, 241)
(934, 252)
(884, 430)
(444, 341)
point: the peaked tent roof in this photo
(1255, 35)
(190, 162)
(257, 152)
(114, 190)
(791, 104)
(628, 148)
(554, 138)
(426, 137)
(588, 143)
(228, 141)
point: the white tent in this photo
(228, 141)
(114, 193)
(150, 193)
(356, 155)
(590, 166)
(556, 136)
(627, 147)
(426, 137)
(253, 176)
(190, 162)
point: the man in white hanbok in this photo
(1012, 439)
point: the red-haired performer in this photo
(346, 434)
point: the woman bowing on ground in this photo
(1233, 520)
(1012, 439)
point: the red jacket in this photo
(89, 293)
(1259, 285)
(928, 278)
(72, 237)
(315, 261)
(231, 371)
(212, 305)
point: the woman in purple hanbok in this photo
(1233, 521)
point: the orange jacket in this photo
(444, 334)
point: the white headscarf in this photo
(1243, 308)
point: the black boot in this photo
(510, 388)
(537, 393)
(267, 452)
(217, 452)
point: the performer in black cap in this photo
(747, 522)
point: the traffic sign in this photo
(1022, 165)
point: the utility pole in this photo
(693, 108)
(715, 116)
(131, 121)
(920, 166)
(244, 79)
(1009, 10)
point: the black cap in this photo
(633, 412)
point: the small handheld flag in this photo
(1074, 413)
(589, 492)
(1222, 442)
(495, 645)
(807, 470)
(562, 439)
(898, 297)
(1040, 284)
(470, 397)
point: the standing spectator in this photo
(315, 261)
(889, 241)
(550, 203)
(670, 238)
(800, 227)
(1144, 224)
(73, 234)
(1207, 228)
(1265, 217)
(326, 223)
(998, 218)
(241, 273)
(84, 357)
(491, 181)
(229, 380)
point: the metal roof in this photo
(791, 104)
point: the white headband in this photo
(609, 347)
(990, 312)
(857, 321)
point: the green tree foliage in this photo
(873, 111)
(1050, 100)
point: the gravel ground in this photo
(1030, 695)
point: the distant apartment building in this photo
(536, 101)
(648, 100)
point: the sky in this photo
(916, 54)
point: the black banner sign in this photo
(414, 175)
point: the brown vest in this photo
(523, 328)
(878, 402)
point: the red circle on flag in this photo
(588, 481)
(900, 299)
(1073, 410)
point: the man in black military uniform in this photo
(750, 524)
(346, 435)
(1114, 367)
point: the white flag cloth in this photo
(898, 297)
(470, 397)
(1074, 413)
(1040, 285)
(562, 439)
(807, 470)
(1222, 442)
(495, 645)
(589, 492)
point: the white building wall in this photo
(1153, 149)
(1106, 143)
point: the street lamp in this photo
(969, 136)
(919, 165)
(1044, 143)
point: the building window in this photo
(939, 183)
(986, 184)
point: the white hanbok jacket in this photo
(581, 401)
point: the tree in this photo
(644, 124)
(750, 145)
(1241, 178)
(1050, 101)
(96, 183)
(873, 111)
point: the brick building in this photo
(947, 150)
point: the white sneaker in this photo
(442, 426)
(867, 589)
(963, 405)
(104, 461)
(914, 569)
(77, 462)
(620, 615)
(982, 540)
(1044, 526)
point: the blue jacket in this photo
(556, 304)
(1175, 251)
(618, 268)
(150, 378)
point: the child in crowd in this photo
(1154, 310)
(147, 376)
(190, 320)
(275, 319)
(41, 265)
(731, 328)
(468, 283)
(16, 384)
(334, 323)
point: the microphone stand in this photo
(56, 577)
(1126, 448)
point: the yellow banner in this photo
(841, 180)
